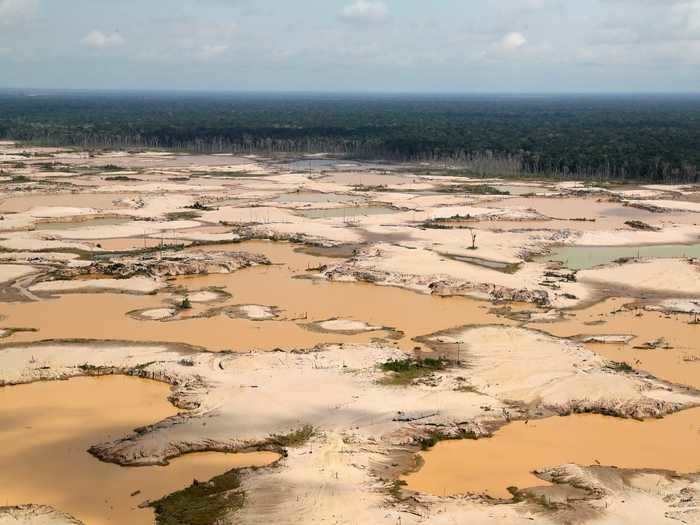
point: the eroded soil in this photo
(290, 316)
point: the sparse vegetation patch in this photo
(405, 371)
(201, 503)
(295, 438)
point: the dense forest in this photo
(652, 138)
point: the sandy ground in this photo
(670, 276)
(134, 285)
(12, 272)
(226, 391)
(442, 271)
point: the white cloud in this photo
(513, 41)
(99, 40)
(503, 48)
(364, 11)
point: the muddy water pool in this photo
(490, 465)
(46, 429)
(349, 211)
(104, 316)
(104, 201)
(678, 364)
(69, 225)
(309, 196)
(585, 257)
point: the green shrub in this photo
(201, 503)
(405, 371)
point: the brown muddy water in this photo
(103, 201)
(104, 316)
(490, 465)
(599, 213)
(678, 364)
(46, 429)
(69, 225)
(577, 208)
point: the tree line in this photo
(631, 138)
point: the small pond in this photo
(70, 225)
(584, 257)
(311, 196)
(348, 211)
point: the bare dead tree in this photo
(473, 235)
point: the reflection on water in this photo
(69, 225)
(584, 257)
(349, 211)
(310, 196)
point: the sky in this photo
(453, 46)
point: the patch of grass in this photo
(365, 187)
(201, 503)
(186, 304)
(143, 366)
(518, 496)
(55, 166)
(396, 487)
(92, 368)
(295, 438)
(432, 439)
(181, 215)
(623, 260)
(134, 253)
(485, 189)
(12, 331)
(444, 223)
(619, 367)
(477, 189)
(402, 365)
(18, 179)
(435, 225)
(405, 371)
(199, 206)
(121, 178)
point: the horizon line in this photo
(214, 91)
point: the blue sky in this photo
(353, 45)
